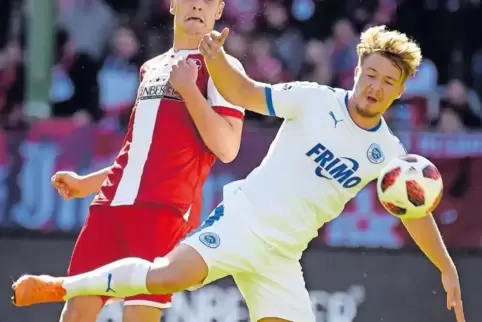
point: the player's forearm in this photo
(235, 86)
(217, 133)
(427, 236)
(94, 180)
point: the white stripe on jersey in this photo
(142, 132)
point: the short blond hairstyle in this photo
(396, 46)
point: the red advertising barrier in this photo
(28, 160)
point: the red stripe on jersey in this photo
(228, 111)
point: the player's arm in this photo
(235, 86)
(93, 181)
(220, 133)
(70, 185)
(426, 235)
(282, 100)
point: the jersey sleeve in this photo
(400, 149)
(142, 71)
(217, 101)
(287, 100)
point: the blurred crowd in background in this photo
(100, 45)
(99, 48)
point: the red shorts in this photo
(113, 233)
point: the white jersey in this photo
(319, 160)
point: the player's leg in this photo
(150, 232)
(134, 313)
(82, 309)
(131, 276)
(87, 255)
(277, 292)
(210, 253)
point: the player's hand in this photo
(184, 75)
(450, 281)
(69, 185)
(212, 43)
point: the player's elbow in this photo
(227, 154)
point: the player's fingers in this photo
(459, 306)
(207, 48)
(201, 48)
(459, 313)
(58, 177)
(214, 46)
(223, 36)
(65, 193)
(191, 63)
(450, 299)
(178, 65)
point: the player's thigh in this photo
(150, 233)
(81, 309)
(99, 243)
(226, 244)
(277, 293)
(136, 313)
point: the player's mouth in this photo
(195, 19)
(371, 99)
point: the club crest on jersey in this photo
(330, 167)
(211, 240)
(375, 154)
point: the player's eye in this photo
(370, 76)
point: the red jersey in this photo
(163, 159)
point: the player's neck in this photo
(183, 41)
(366, 123)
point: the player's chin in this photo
(196, 29)
(368, 110)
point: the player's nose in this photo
(376, 87)
(197, 5)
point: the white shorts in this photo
(272, 285)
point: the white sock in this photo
(125, 277)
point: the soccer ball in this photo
(409, 186)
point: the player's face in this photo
(196, 17)
(378, 82)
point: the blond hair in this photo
(396, 46)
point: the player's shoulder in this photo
(391, 142)
(306, 86)
(152, 62)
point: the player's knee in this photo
(163, 278)
(180, 269)
(82, 309)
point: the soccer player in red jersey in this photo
(150, 198)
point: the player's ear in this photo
(219, 13)
(357, 72)
(402, 89)
(172, 7)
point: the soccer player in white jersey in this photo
(332, 143)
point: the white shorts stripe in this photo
(147, 303)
